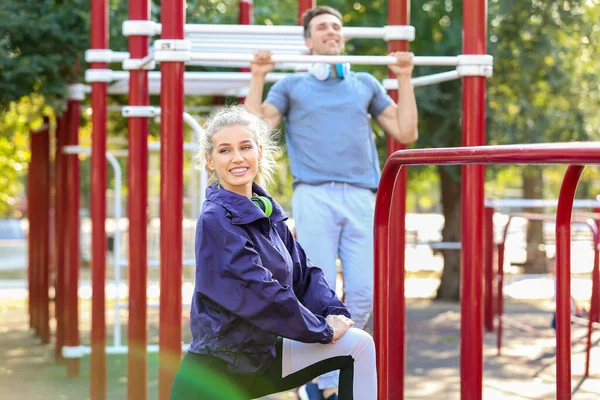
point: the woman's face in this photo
(235, 158)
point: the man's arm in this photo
(400, 120)
(259, 69)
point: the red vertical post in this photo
(43, 202)
(171, 201)
(39, 235)
(71, 298)
(59, 231)
(596, 289)
(489, 269)
(563, 281)
(593, 315)
(398, 14)
(499, 295)
(99, 41)
(33, 240)
(245, 17)
(303, 6)
(137, 335)
(473, 123)
(382, 244)
(245, 12)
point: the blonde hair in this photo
(264, 137)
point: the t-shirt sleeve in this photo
(279, 96)
(380, 100)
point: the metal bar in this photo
(311, 59)
(489, 268)
(349, 31)
(537, 203)
(500, 296)
(59, 232)
(137, 335)
(72, 238)
(398, 14)
(303, 6)
(43, 203)
(473, 123)
(557, 153)
(98, 40)
(381, 243)
(171, 202)
(594, 311)
(245, 18)
(563, 281)
(33, 245)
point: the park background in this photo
(545, 88)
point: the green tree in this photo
(544, 84)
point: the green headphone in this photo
(264, 204)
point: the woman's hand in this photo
(340, 325)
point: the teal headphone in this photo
(322, 71)
(264, 204)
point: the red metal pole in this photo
(99, 40)
(137, 335)
(563, 281)
(33, 245)
(398, 14)
(72, 243)
(500, 296)
(381, 240)
(245, 17)
(171, 202)
(593, 314)
(500, 283)
(245, 12)
(596, 289)
(474, 42)
(489, 269)
(303, 6)
(43, 202)
(59, 242)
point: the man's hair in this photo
(313, 12)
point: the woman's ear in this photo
(260, 153)
(209, 162)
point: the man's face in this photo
(326, 36)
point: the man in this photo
(332, 154)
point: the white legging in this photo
(355, 343)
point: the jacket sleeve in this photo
(310, 285)
(230, 273)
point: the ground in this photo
(526, 370)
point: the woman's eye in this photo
(247, 148)
(223, 150)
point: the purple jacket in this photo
(253, 284)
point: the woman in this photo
(263, 318)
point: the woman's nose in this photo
(237, 156)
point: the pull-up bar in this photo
(388, 32)
(312, 59)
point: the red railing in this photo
(391, 309)
(592, 225)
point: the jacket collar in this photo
(241, 208)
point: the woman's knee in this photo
(362, 342)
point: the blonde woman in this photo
(263, 318)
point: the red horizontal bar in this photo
(554, 153)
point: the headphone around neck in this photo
(322, 72)
(264, 204)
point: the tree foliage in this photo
(42, 44)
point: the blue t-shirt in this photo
(327, 127)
